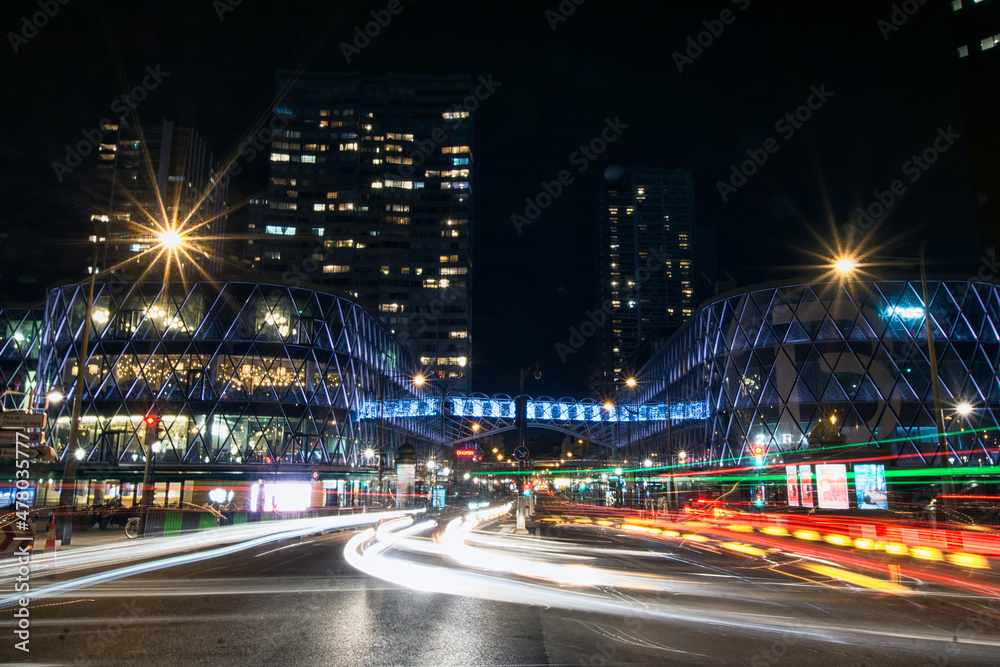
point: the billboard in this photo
(831, 486)
(869, 486)
(806, 486)
(792, 482)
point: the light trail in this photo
(264, 534)
(387, 562)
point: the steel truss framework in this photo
(244, 373)
(770, 362)
(20, 333)
(237, 373)
(585, 419)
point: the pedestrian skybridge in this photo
(464, 418)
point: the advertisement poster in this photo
(869, 485)
(805, 477)
(792, 481)
(831, 486)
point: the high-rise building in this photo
(646, 283)
(153, 177)
(370, 193)
(976, 26)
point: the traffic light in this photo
(758, 453)
(154, 426)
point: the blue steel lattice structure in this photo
(771, 361)
(237, 373)
(19, 337)
(584, 418)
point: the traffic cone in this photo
(50, 539)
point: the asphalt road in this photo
(299, 603)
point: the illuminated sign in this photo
(465, 452)
(831, 486)
(792, 480)
(805, 486)
(869, 486)
(910, 313)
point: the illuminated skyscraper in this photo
(645, 264)
(976, 25)
(370, 193)
(159, 173)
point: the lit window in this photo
(319, 207)
(454, 149)
(452, 115)
(319, 231)
(272, 254)
(309, 159)
(459, 161)
(280, 157)
(963, 51)
(282, 231)
(353, 146)
(988, 43)
(336, 268)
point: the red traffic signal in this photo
(758, 451)
(151, 420)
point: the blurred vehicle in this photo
(111, 513)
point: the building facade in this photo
(769, 362)
(152, 178)
(976, 28)
(224, 382)
(370, 193)
(646, 284)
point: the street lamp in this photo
(522, 426)
(845, 266)
(632, 382)
(169, 240)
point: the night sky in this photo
(556, 88)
